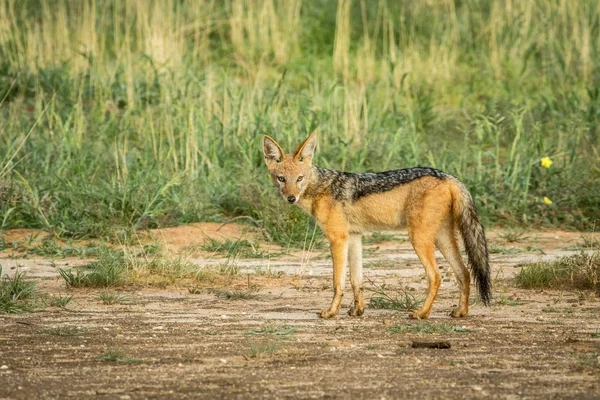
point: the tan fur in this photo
(425, 206)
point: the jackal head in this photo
(290, 172)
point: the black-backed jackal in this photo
(431, 204)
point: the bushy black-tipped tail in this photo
(473, 236)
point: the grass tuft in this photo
(579, 271)
(118, 356)
(17, 295)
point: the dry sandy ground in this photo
(170, 343)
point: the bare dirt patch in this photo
(267, 341)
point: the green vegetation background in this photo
(120, 115)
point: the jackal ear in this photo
(272, 151)
(306, 148)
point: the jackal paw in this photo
(420, 314)
(458, 313)
(356, 311)
(327, 314)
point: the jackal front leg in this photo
(356, 275)
(339, 254)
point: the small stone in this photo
(4, 367)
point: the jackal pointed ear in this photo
(307, 148)
(272, 151)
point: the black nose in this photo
(291, 199)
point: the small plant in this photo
(109, 270)
(240, 248)
(514, 236)
(272, 329)
(63, 331)
(112, 297)
(59, 301)
(381, 264)
(119, 357)
(259, 350)
(424, 327)
(233, 294)
(268, 272)
(505, 301)
(402, 300)
(16, 293)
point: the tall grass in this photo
(125, 114)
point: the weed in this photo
(233, 294)
(16, 293)
(596, 334)
(381, 264)
(401, 300)
(514, 236)
(268, 272)
(240, 248)
(271, 329)
(260, 350)
(580, 271)
(589, 241)
(109, 270)
(118, 356)
(63, 331)
(112, 298)
(503, 250)
(505, 301)
(423, 327)
(59, 301)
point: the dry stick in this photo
(431, 345)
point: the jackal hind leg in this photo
(422, 232)
(447, 243)
(356, 275)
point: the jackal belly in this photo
(380, 211)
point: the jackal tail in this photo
(473, 234)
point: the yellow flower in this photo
(547, 200)
(546, 162)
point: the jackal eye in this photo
(300, 178)
(281, 178)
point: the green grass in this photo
(109, 270)
(63, 331)
(58, 301)
(425, 327)
(271, 329)
(260, 350)
(398, 300)
(120, 267)
(110, 298)
(117, 356)
(134, 116)
(17, 295)
(578, 271)
(240, 248)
